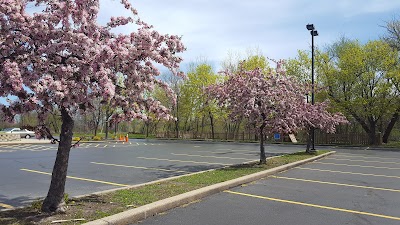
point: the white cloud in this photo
(210, 28)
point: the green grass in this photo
(142, 136)
(393, 144)
(154, 192)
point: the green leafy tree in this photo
(197, 101)
(300, 67)
(357, 78)
(253, 62)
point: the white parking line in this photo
(358, 156)
(206, 156)
(139, 167)
(353, 165)
(360, 160)
(185, 161)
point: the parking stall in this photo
(102, 166)
(349, 187)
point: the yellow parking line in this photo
(139, 167)
(175, 160)
(342, 164)
(344, 172)
(358, 156)
(206, 156)
(79, 178)
(359, 160)
(315, 206)
(338, 184)
(6, 206)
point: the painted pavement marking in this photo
(185, 161)
(235, 153)
(314, 205)
(337, 184)
(359, 160)
(345, 172)
(361, 166)
(358, 156)
(6, 206)
(206, 156)
(79, 178)
(139, 167)
(235, 150)
(1, 151)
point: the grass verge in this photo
(98, 206)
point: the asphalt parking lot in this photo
(350, 187)
(25, 169)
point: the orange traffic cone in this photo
(126, 138)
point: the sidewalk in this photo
(25, 141)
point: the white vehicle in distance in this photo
(23, 133)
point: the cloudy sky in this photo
(212, 28)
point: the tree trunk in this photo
(308, 141)
(389, 127)
(147, 123)
(263, 158)
(372, 133)
(96, 121)
(108, 115)
(54, 202)
(212, 124)
(177, 128)
(202, 125)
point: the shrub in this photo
(96, 138)
(76, 138)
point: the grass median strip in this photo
(98, 206)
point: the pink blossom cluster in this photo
(62, 57)
(273, 101)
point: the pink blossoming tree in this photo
(62, 57)
(274, 102)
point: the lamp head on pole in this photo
(314, 33)
(310, 27)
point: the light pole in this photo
(313, 33)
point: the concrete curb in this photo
(134, 215)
